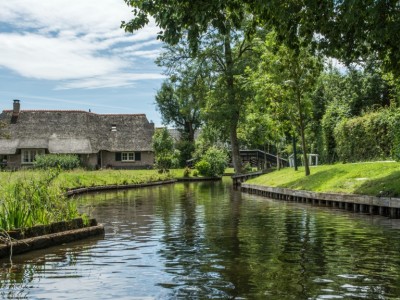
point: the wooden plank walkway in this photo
(384, 206)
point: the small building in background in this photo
(122, 141)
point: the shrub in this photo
(247, 168)
(334, 114)
(374, 135)
(186, 172)
(59, 161)
(213, 162)
(186, 150)
(204, 168)
(163, 146)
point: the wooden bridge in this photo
(256, 158)
(262, 160)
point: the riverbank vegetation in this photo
(26, 201)
(37, 197)
(304, 78)
(369, 178)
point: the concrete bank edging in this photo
(358, 203)
(48, 240)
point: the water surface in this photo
(206, 241)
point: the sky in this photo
(73, 55)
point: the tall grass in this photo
(33, 197)
(25, 202)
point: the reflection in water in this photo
(204, 240)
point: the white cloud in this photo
(77, 42)
(113, 80)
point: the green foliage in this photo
(285, 79)
(204, 168)
(163, 146)
(247, 168)
(186, 150)
(186, 172)
(213, 162)
(179, 104)
(369, 137)
(29, 202)
(61, 161)
(334, 114)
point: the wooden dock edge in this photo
(112, 187)
(44, 241)
(384, 206)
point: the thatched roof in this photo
(74, 132)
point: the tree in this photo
(181, 96)
(185, 19)
(163, 146)
(179, 106)
(349, 30)
(286, 78)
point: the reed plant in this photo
(26, 202)
(33, 197)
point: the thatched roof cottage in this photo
(117, 141)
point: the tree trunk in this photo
(294, 152)
(189, 131)
(302, 135)
(237, 165)
(278, 163)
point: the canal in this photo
(207, 241)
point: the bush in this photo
(334, 114)
(247, 168)
(213, 162)
(163, 146)
(186, 172)
(372, 136)
(186, 150)
(204, 168)
(61, 161)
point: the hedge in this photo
(373, 136)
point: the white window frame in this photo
(28, 155)
(128, 156)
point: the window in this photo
(28, 155)
(128, 156)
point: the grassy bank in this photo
(374, 178)
(33, 197)
(82, 178)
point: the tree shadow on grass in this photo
(388, 186)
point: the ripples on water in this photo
(203, 241)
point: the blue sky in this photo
(72, 54)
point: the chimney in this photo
(16, 110)
(16, 107)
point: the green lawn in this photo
(370, 178)
(83, 178)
